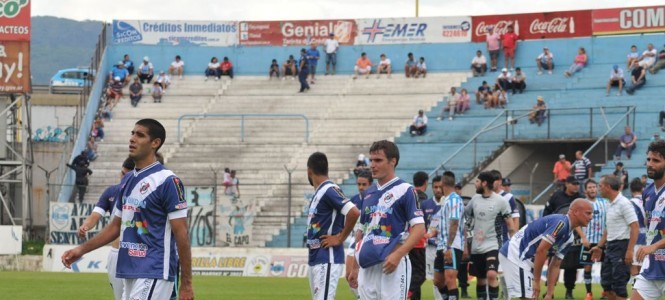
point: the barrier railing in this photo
(242, 121)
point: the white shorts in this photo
(362, 70)
(373, 284)
(147, 289)
(323, 280)
(519, 281)
(635, 262)
(649, 289)
(116, 283)
(430, 255)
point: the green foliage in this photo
(32, 247)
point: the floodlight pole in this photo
(288, 213)
(417, 4)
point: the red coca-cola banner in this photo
(296, 33)
(628, 20)
(564, 24)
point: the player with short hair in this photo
(515, 215)
(636, 190)
(430, 208)
(363, 181)
(151, 219)
(417, 255)
(330, 220)
(591, 234)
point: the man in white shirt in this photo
(648, 57)
(545, 61)
(616, 79)
(504, 79)
(177, 67)
(384, 66)
(479, 64)
(419, 126)
(331, 45)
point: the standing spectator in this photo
(363, 66)
(463, 102)
(120, 72)
(648, 57)
(484, 93)
(539, 112)
(417, 254)
(81, 159)
(82, 172)
(410, 68)
(213, 69)
(303, 70)
(331, 45)
(146, 71)
(518, 82)
(362, 164)
(545, 61)
(582, 169)
(509, 41)
(562, 198)
(233, 187)
(163, 80)
(384, 66)
(504, 79)
(616, 79)
(290, 68)
(632, 57)
(273, 70)
(578, 64)
(660, 63)
(157, 93)
(129, 64)
(493, 41)
(638, 78)
(226, 67)
(114, 91)
(135, 92)
(447, 102)
(561, 170)
(626, 143)
(479, 64)
(421, 68)
(621, 174)
(313, 56)
(419, 125)
(177, 67)
(620, 236)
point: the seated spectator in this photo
(114, 91)
(105, 112)
(518, 82)
(545, 61)
(484, 93)
(578, 64)
(91, 149)
(410, 67)
(660, 63)
(157, 93)
(503, 80)
(479, 64)
(421, 68)
(146, 71)
(446, 99)
(463, 102)
(213, 69)
(638, 78)
(120, 71)
(363, 66)
(661, 116)
(616, 79)
(135, 92)
(539, 112)
(452, 106)
(632, 57)
(227, 67)
(273, 70)
(129, 65)
(290, 68)
(626, 144)
(177, 67)
(98, 129)
(419, 125)
(384, 66)
(362, 164)
(163, 80)
(499, 98)
(648, 57)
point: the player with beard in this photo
(590, 235)
(430, 208)
(363, 181)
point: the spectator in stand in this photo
(503, 80)
(421, 68)
(82, 172)
(545, 61)
(616, 79)
(98, 129)
(632, 57)
(660, 63)
(290, 68)
(509, 42)
(105, 112)
(303, 70)
(479, 64)
(638, 78)
(539, 112)
(484, 93)
(410, 68)
(419, 125)
(648, 57)
(135, 92)
(114, 91)
(157, 93)
(163, 80)
(493, 41)
(622, 175)
(331, 45)
(582, 169)
(384, 66)
(499, 97)
(661, 116)
(81, 159)
(561, 170)
(363, 66)
(91, 149)
(463, 102)
(447, 99)
(226, 67)
(362, 164)
(452, 106)
(578, 64)
(313, 56)
(518, 82)
(146, 70)
(234, 187)
(273, 70)
(177, 67)
(129, 65)
(213, 69)
(120, 71)
(626, 143)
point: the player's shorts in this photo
(585, 255)
(430, 256)
(494, 54)
(374, 284)
(362, 70)
(116, 283)
(147, 289)
(649, 289)
(440, 264)
(635, 262)
(323, 280)
(480, 264)
(519, 281)
(509, 52)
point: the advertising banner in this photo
(296, 33)
(413, 30)
(175, 33)
(563, 24)
(12, 239)
(256, 262)
(92, 262)
(14, 66)
(15, 20)
(234, 222)
(65, 220)
(628, 20)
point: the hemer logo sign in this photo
(11, 8)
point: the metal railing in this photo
(242, 121)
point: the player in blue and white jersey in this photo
(150, 216)
(389, 210)
(330, 220)
(448, 227)
(430, 207)
(636, 190)
(526, 252)
(508, 197)
(363, 181)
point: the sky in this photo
(108, 10)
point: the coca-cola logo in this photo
(555, 25)
(500, 27)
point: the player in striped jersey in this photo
(431, 207)
(363, 182)
(636, 189)
(593, 232)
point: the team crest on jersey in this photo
(660, 201)
(389, 197)
(144, 187)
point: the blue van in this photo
(70, 81)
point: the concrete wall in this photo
(47, 155)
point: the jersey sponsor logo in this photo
(145, 186)
(133, 204)
(316, 227)
(314, 244)
(135, 249)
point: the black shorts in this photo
(585, 256)
(480, 264)
(440, 265)
(616, 82)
